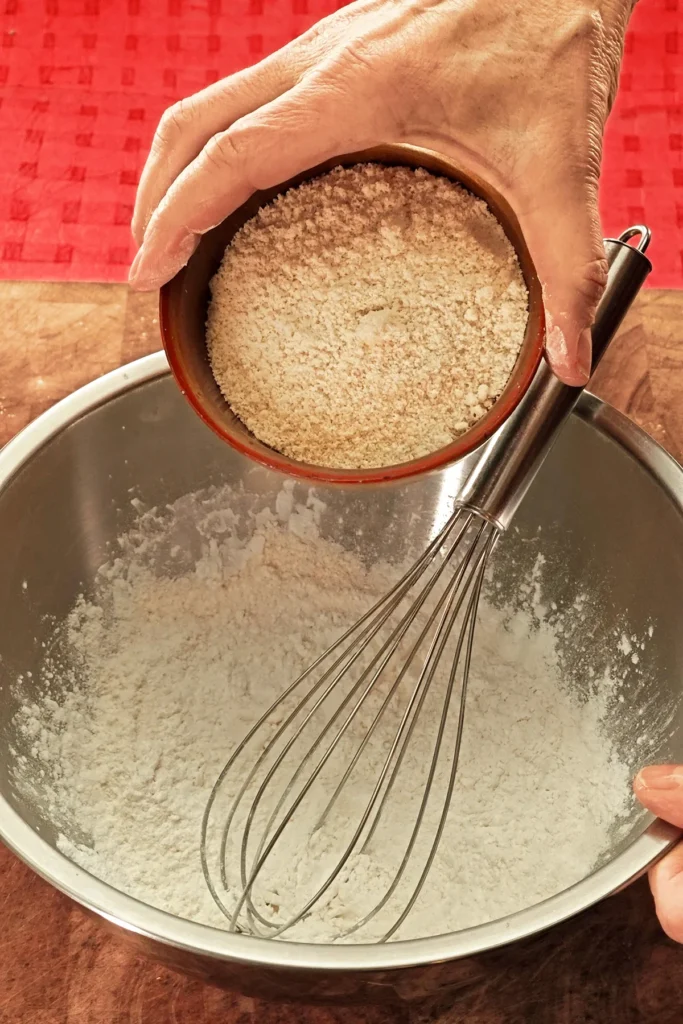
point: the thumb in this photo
(660, 789)
(666, 883)
(561, 225)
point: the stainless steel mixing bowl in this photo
(609, 503)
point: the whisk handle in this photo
(628, 269)
(509, 461)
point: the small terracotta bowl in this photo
(183, 311)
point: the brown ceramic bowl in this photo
(184, 303)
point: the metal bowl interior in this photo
(606, 512)
(183, 310)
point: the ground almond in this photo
(367, 317)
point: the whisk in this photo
(406, 660)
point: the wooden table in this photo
(611, 965)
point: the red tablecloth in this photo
(83, 83)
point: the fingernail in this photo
(584, 354)
(660, 777)
(142, 279)
(132, 273)
(145, 275)
(154, 266)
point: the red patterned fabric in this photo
(83, 83)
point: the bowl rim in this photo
(135, 916)
(526, 365)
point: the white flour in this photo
(171, 672)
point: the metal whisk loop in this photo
(424, 681)
(447, 558)
(389, 604)
(471, 620)
(474, 583)
(372, 621)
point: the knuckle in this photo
(358, 69)
(357, 54)
(174, 122)
(328, 32)
(230, 150)
(224, 149)
(319, 36)
(592, 280)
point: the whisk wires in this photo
(388, 668)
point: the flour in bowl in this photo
(367, 317)
(165, 673)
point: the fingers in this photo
(186, 127)
(666, 883)
(561, 226)
(307, 125)
(660, 789)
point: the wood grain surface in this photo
(611, 965)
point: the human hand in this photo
(660, 789)
(515, 91)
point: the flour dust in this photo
(209, 611)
